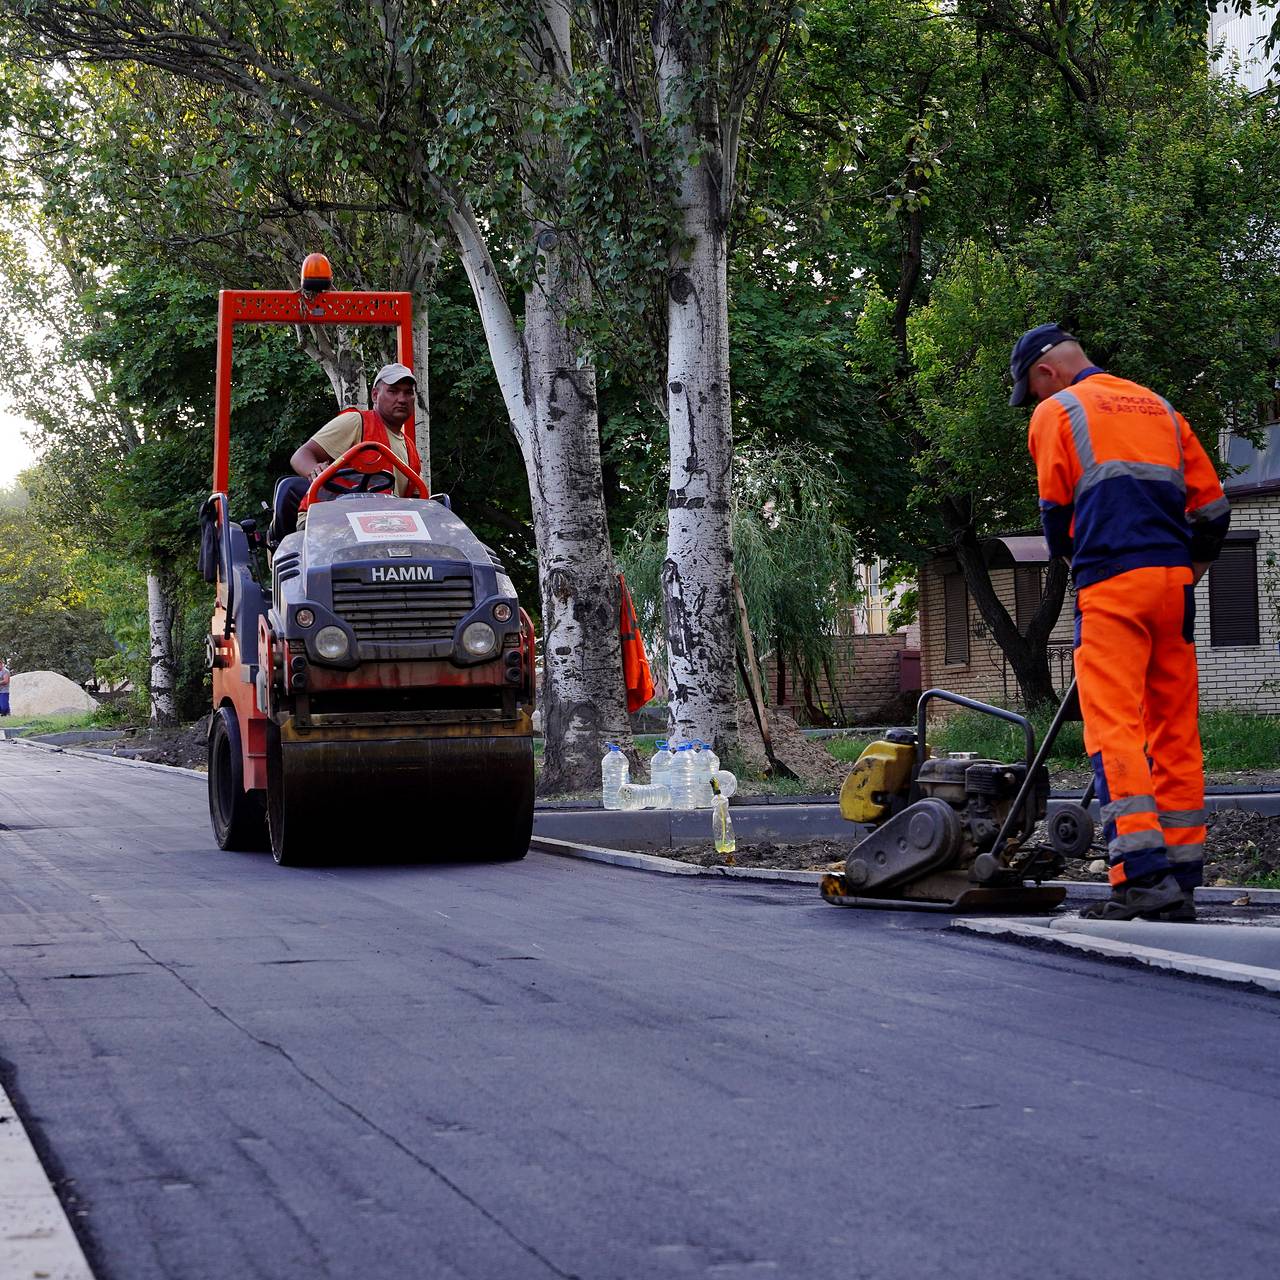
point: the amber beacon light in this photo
(317, 275)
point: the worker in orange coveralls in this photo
(1129, 496)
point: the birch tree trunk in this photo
(162, 609)
(697, 574)
(549, 388)
(422, 370)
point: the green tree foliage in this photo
(989, 170)
(46, 619)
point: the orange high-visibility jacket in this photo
(1124, 483)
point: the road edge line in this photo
(36, 1236)
(1153, 957)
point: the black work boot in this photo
(1151, 897)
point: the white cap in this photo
(392, 373)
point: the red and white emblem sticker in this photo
(384, 526)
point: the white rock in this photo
(1098, 867)
(46, 693)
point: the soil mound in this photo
(807, 758)
(184, 745)
(46, 693)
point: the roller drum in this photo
(400, 799)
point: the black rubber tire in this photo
(1070, 829)
(291, 834)
(239, 817)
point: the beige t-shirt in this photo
(340, 433)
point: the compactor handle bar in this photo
(972, 705)
(380, 452)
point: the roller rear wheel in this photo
(238, 816)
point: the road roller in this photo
(955, 832)
(372, 669)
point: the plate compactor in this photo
(953, 833)
(373, 700)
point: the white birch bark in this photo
(422, 370)
(548, 386)
(697, 573)
(162, 603)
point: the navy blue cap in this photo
(1027, 350)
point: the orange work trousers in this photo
(1139, 694)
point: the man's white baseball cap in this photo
(393, 373)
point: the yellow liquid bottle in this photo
(722, 826)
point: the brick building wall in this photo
(864, 669)
(1242, 676)
(1246, 676)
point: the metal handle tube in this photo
(1028, 783)
(970, 704)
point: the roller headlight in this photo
(479, 639)
(304, 617)
(331, 643)
(502, 611)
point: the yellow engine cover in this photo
(882, 770)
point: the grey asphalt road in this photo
(557, 1068)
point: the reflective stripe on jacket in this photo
(1124, 483)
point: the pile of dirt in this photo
(46, 693)
(807, 758)
(183, 745)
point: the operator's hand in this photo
(318, 469)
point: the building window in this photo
(1233, 592)
(956, 607)
(1028, 587)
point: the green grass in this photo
(105, 717)
(1270, 881)
(850, 748)
(1239, 740)
(1233, 741)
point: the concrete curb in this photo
(1153, 957)
(668, 866)
(93, 755)
(36, 1238)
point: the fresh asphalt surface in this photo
(557, 1068)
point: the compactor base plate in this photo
(1024, 899)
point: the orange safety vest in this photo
(635, 664)
(374, 430)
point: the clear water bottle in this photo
(660, 765)
(685, 776)
(724, 783)
(710, 761)
(614, 771)
(644, 795)
(722, 826)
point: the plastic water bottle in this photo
(660, 765)
(724, 783)
(722, 835)
(710, 761)
(644, 795)
(722, 826)
(685, 772)
(614, 771)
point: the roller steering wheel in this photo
(353, 480)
